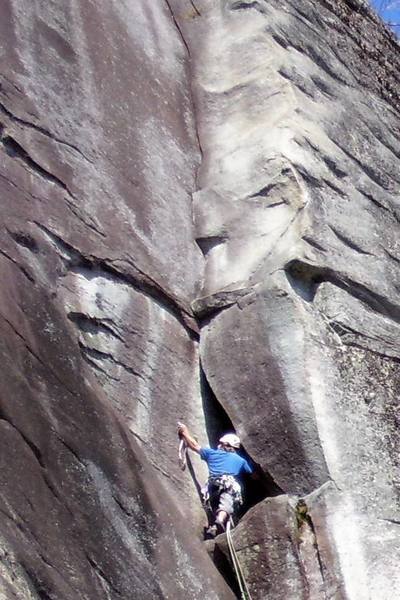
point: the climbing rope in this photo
(244, 588)
(182, 454)
(182, 451)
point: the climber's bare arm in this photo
(191, 442)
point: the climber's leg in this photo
(225, 509)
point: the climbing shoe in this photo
(211, 532)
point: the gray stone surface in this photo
(98, 159)
(186, 179)
(297, 215)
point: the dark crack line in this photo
(143, 284)
(37, 455)
(318, 552)
(89, 324)
(153, 290)
(314, 275)
(89, 223)
(390, 255)
(121, 506)
(47, 367)
(179, 29)
(27, 194)
(13, 149)
(304, 520)
(102, 575)
(393, 357)
(370, 172)
(91, 355)
(311, 242)
(342, 329)
(349, 242)
(41, 130)
(108, 356)
(160, 470)
(376, 202)
(393, 521)
(377, 136)
(72, 451)
(91, 362)
(7, 515)
(34, 449)
(14, 85)
(198, 13)
(20, 267)
(139, 437)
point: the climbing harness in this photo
(227, 483)
(244, 588)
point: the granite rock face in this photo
(99, 265)
(198, 181)
(297, 213)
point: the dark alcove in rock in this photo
(218, 422)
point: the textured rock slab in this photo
(284, 176)
(267, 542)
(257, 357)
(88, 109)
(298, 200)
(309, 409)
(98, 157)
(85, 514)
(147, 364)
(98, 162)
(311, 548)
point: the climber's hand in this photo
(183, 431)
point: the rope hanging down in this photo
(182, 454)
(244, 588)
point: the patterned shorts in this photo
(224, 493)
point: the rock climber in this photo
(226, 469)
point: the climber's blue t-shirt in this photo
(221, 462)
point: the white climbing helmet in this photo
(231, 439)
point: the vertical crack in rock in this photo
(271, 83)
(310, 558)
(186, 45)
(225, 567)
(218, 422)
(217, 419)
